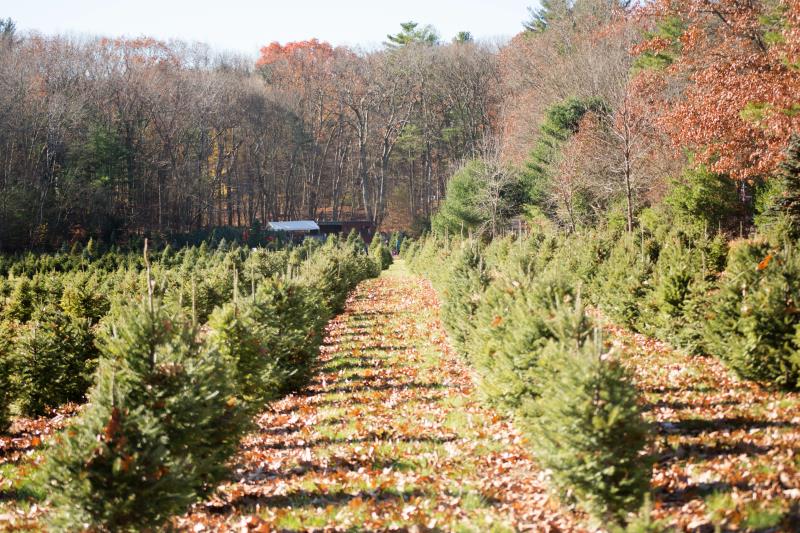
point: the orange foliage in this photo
(301, 51)
(738, 70)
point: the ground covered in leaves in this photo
(728, 451)
(19, 456)
(390, 435)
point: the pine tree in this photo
(588, 430)
(160, 427)
(549, 12)
(55, 359)
(461, 296)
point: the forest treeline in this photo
(103, 137)
(610, 109)
(592, 113)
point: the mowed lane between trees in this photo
(389, 435)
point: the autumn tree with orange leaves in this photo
(730, 81)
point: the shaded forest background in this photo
(595, 111)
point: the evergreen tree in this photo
(380, 252)
(463, 37)
(548, 12)
(781, 214)
(622, 281)
(243, 343)
(412, 33)
(513, 328)
(460, 213)
(83, 298)
(290, 318)
(20, 304)
(753, 324)
(465, 285)
(160, 427)
(7, 333)
(589, 432)
(8, 30)
(561, 122)
(55, 359)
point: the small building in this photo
(296, 230)
(365, 228)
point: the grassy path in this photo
(389, 436)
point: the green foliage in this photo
(754, 322)
(7, 334)
(290, 318)
(548, 12)
(560, 123)
(462, 293)
(461, 212)
(412, 33)
(54, 358)
(380, 252)
(335, 270)
(669, 28)
(480, 197)
(622, 281)
(512, 330)
(779, 200)
(83, 298)
(589, 431)
(157, 434)
(674, 308)
(701, 201)
(242, 342)
(19, 305)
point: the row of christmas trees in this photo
(178, 352)
(515, 308)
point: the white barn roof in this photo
(294, 225)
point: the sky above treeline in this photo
(245, 25)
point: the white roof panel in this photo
(294, 225)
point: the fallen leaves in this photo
(389, 436)
(726, 447)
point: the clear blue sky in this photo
(245, 25)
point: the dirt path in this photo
(389, 436)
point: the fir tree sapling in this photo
(7, 333)
(622, 280)
(19, 305)
(754, 320)
(55, 359)
(512, 330)
(462, 293)
(380, 252)
(243, 343)
(588, 430)
(157, 434)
